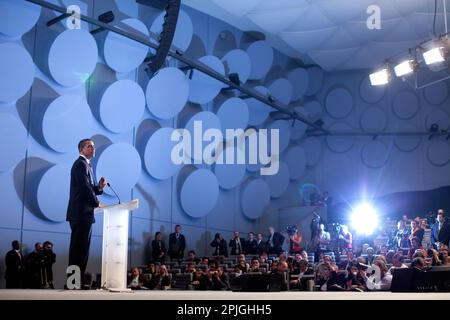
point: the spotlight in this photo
(405, 67)
(364, 219)
(435, 55)
(380, 77)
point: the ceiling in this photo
(333, 33)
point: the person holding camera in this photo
(220, 245)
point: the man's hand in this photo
(102, 183)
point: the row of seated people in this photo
(347, 273)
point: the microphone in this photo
(113, 191)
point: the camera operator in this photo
(49, 260)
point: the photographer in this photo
(220, 246)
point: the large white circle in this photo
(406, 105)
(199, 193)
(205, 121)
(438, 153)
(373, 119)
(375, 154)
(299, 79)
(123, 54)
(122, 106)
(13, 138)
(338, 143)
(258, 111)
(261, 57)
(255, 189)
(16, 72)
(439, 117)
(339, 103)
(120, 164)
(237, 61)
(72, 57)
(229, 175)
(61, 132)
(158, 154)
(183, 32)
(167, 93)
(53, 192)
(295, 158)
(203, 88)
(233, 114)
(278, 182)
(18, 17)
(281, 90)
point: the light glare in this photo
(364, 219)
(379, 78)
(434, 55)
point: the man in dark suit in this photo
(251, 245)
(14, 263)
(236, 244)
(177, 244)
(82, 202)
(275, 242)
(440, 234)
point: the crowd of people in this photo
(34, 271)
(351, 267)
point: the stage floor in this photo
(13, 294)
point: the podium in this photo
(115, 244)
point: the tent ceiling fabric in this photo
(331, 33)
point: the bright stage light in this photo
(405, 68)
(380, 77)
(434, 55)
(364, 219)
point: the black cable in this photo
(434, 18)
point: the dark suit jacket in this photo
(250, 247)
(261, 247)
(443, 235)
(176, 251)
(233, 246)
(83, 193)
(278, 240)
(157, 250)
(13, 263)
(221, 248)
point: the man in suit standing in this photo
(14, 262)
(236, 244)
(440, 234)
(275, 241)
(261, 245)
(177, 244)
(82, 202)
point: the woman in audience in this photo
(416, 230)
(294, 241)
